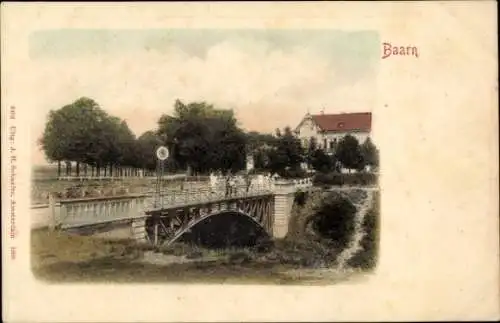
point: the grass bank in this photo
(61, 258)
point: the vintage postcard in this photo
(250, 161)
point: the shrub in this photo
(293, 173)
(302, 253)
(300, 198)
(300, 214)
(334, 220)
(339, 179)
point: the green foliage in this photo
(286, 155)
(301, 214)
(300, 198)
(348, 152)
(80, 131)
(320, 161)
(296, 173)
(204, 138)
(146, 147)
(313, 144)
(334, 220)
(257, 141)
(366, 258)
(370, 153)
(339, 179)
(261, 159)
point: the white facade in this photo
(325, 140)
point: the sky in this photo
(270, 78)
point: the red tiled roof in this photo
(344, 121)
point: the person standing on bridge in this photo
(232, 185)
(247, 181)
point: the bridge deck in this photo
(83, 212)
(170, 203)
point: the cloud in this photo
(267, 87)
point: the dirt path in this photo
(355, 244)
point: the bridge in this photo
(161, 218)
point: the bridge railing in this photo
(173, 198)
(79, 212)
(301, 183)
(87, 211)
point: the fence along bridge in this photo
(163, 217)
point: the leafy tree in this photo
(121, 145)
(146, 146)
(73, 132)
(83, 132)
(260, 159)
(259, 145)
(287, 154)
(320, 161)
(370, 153)
(313, 144)
(256, 140)
(54, 141)
(230, 150)
(348, 152)
(310, 150)
(202, 138)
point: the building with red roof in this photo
(327, 129)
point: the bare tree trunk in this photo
(58, 168)
(77, 169)
(85, 167)
(111, 170)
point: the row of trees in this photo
(84, 133)
(200, 138)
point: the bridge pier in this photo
(283, 203)
(138, 230)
